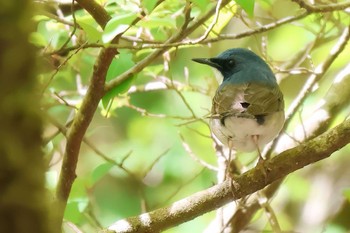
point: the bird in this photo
(248, 106)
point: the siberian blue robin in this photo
(248, 107)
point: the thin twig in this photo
(195, 157)
(58, 69)
(323, 7)
(63, 130)
(144, 112)
(73, 31)
(147, 170)
(212, 24)
(271, 216)
(178, 189)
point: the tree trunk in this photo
(23, 199)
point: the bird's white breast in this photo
(240, 130)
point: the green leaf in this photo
(120, 89)
(202, 4)
(117, 25)
(149, 5)
(225, 16)
(247, 6)
(100, 171)
(156, 22)
(37, 39)
(74, 209)
(118, 66)
(38, 18)
(92, 32)
(346, 194)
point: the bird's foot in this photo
(263, 166)
(234, 184)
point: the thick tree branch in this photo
(96, 11)
(79, 126)
(23, 197)
(202, 202)
(85, 113)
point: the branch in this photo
(86, 112)
(329, 107)
(79, 126)
(323, 7)
(200, 40)
(258, 30)
(183, 32)
(311, 81)
(96, 11)
(253, 180)
(244, 214)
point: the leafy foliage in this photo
(138, 151)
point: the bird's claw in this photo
(263, 168)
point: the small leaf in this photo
(202, 4)
(75, 208)
(100, 171)
(37, 39)
(107, 37)
(38, 18)
(346, 194)
(92, 32)
(117, 25)
(149, 5)
(120, 89)
(156, 22)
(225, 16)
(247, 6)
(118, 66)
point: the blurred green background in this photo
(140, 129)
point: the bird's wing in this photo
(246, 100)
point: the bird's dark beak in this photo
(213, 62)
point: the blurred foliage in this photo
(140, 122)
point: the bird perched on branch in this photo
(248, 107)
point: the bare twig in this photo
(178, 189)
(58, 69)
(323, 8)
(155, 162)
(212, 24)
(73, 31)
(271, 216)
(194, 157)
(63, 129)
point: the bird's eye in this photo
(231, 62)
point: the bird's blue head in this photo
(240, 65)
